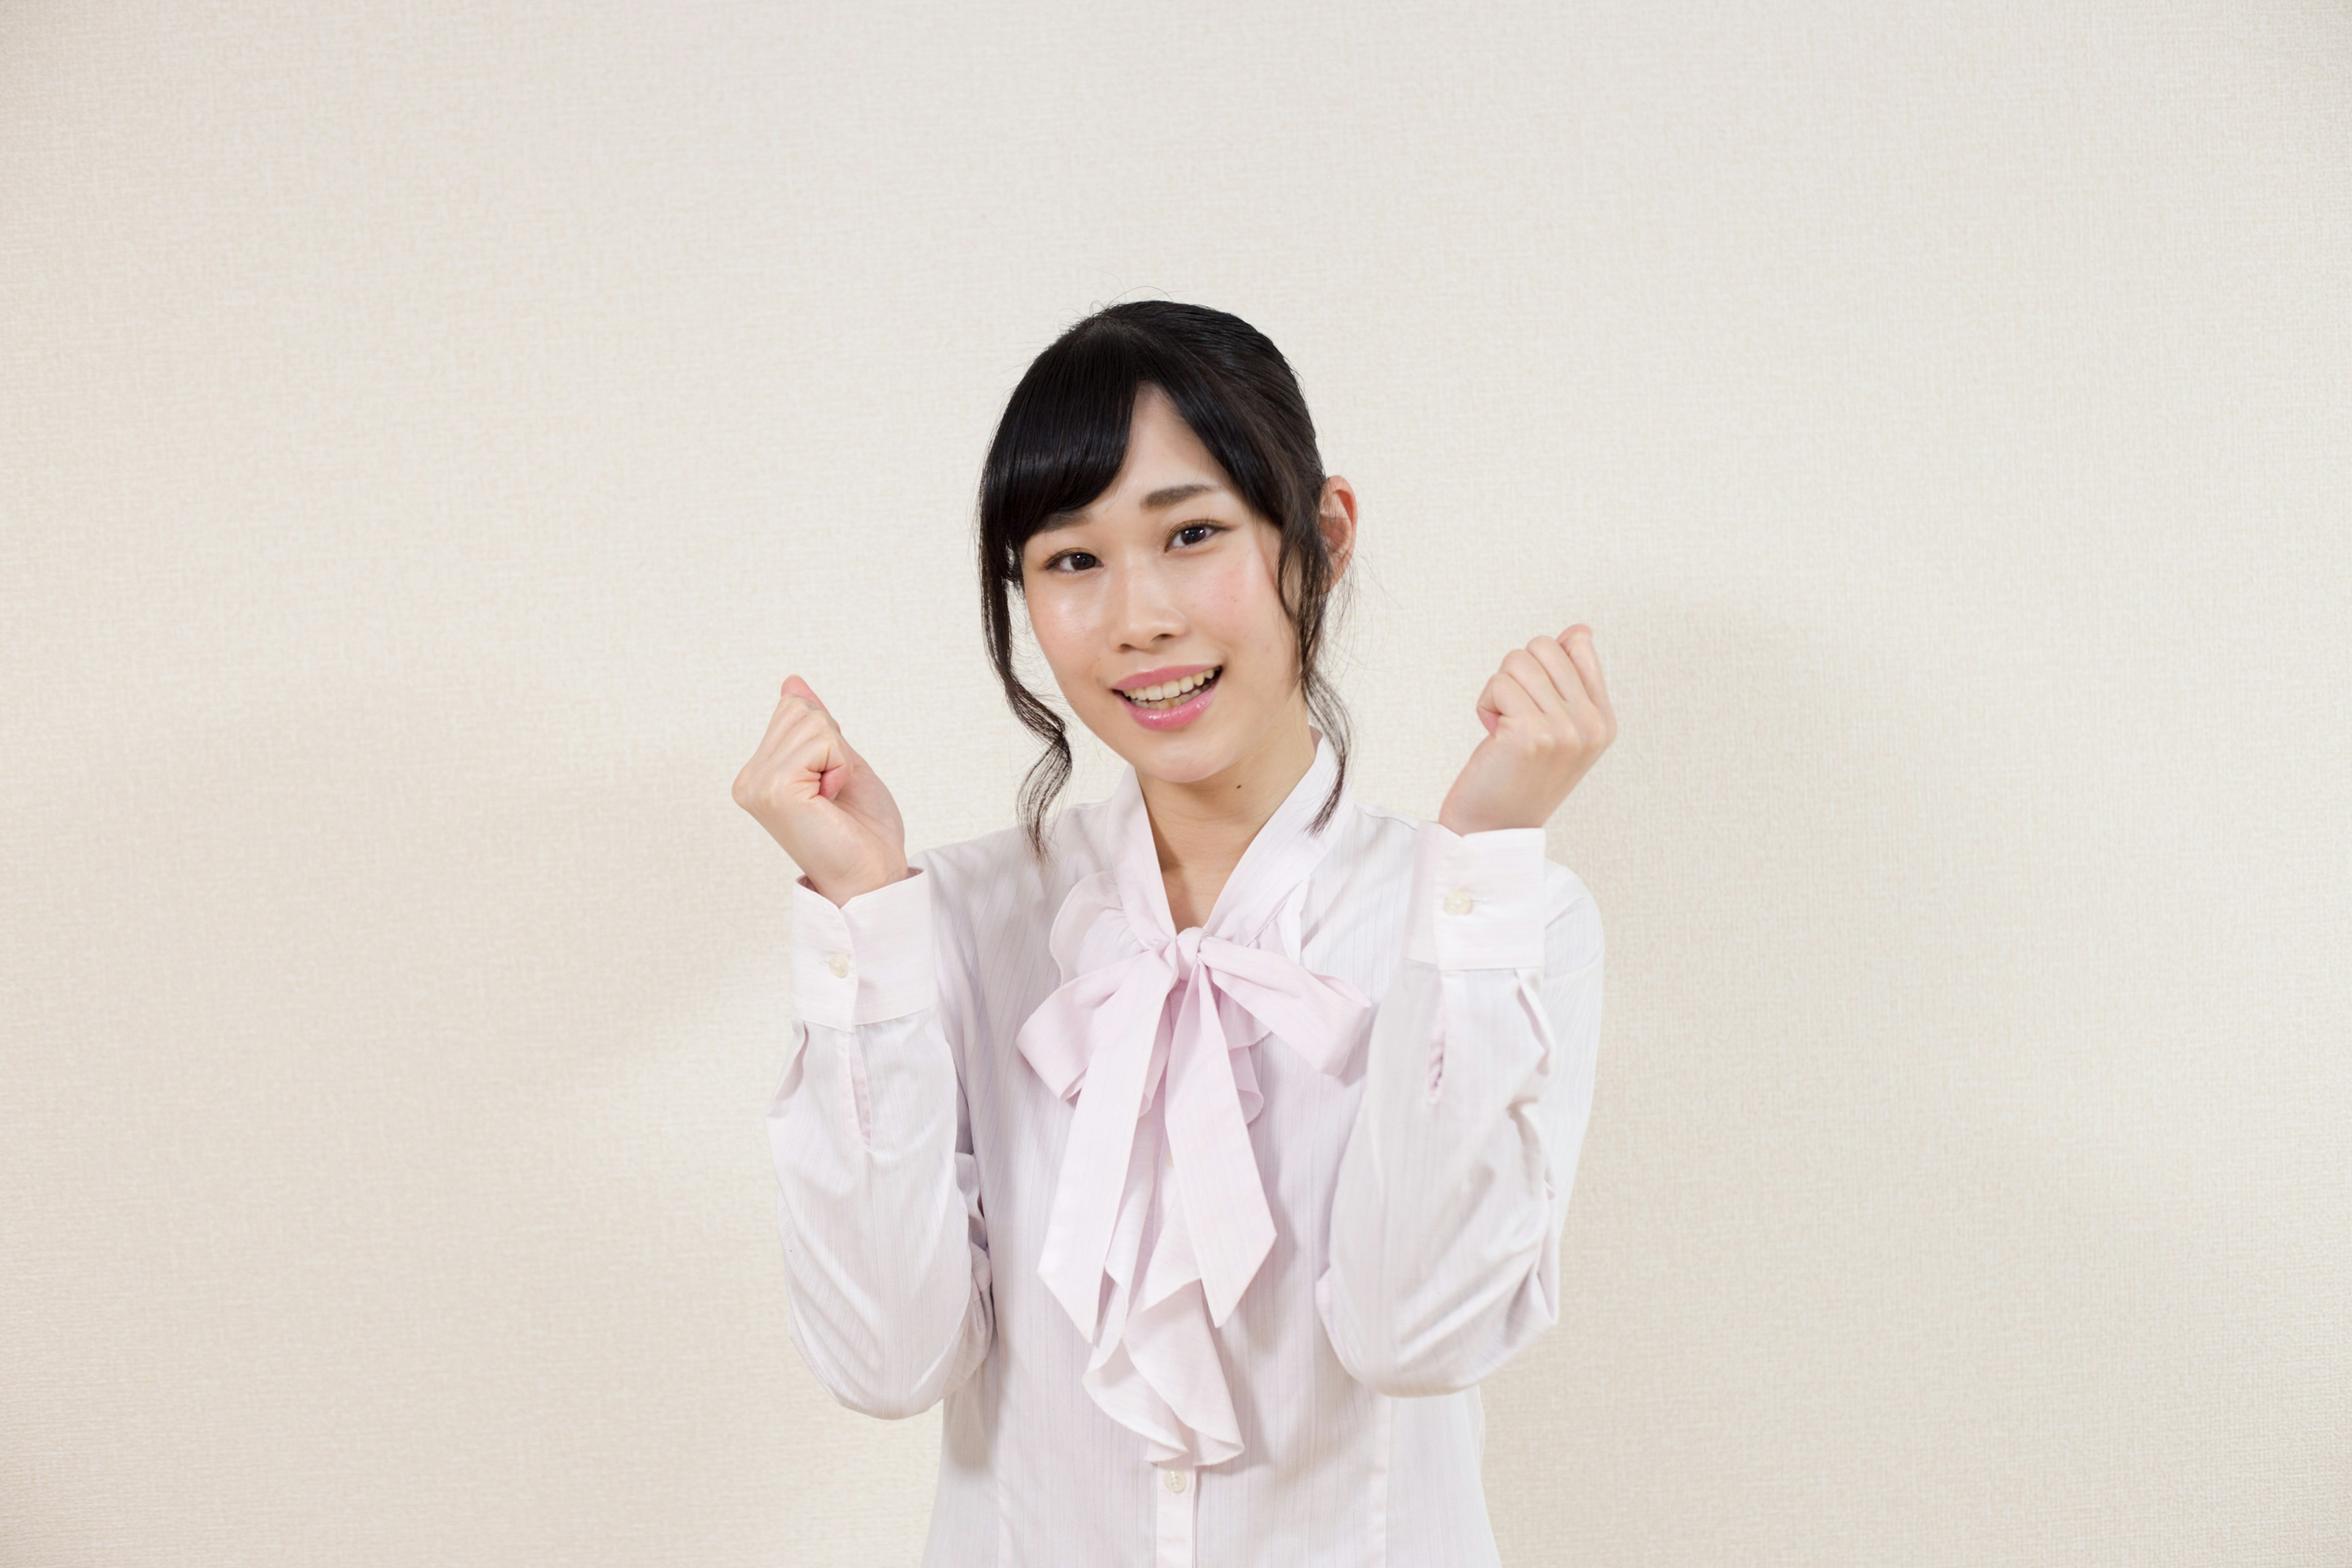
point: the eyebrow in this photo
(1158, 501)
(1169, 495)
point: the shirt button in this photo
(1176, 1482)
(839, 965)
(1457, 902)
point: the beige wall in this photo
(428, 436)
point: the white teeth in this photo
(1171, 688)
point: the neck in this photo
(1200, 828)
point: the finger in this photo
(1569, 682)
(1549, 653)
(808, 694)
(800, 700)
(1530, 672)
(793, 701)
(840, 764)
(791, 725)
(807, 745)
(1578, 641)
(1505, 698)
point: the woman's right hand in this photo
(821, 801)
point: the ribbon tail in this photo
(1226, 1218)
(1094, 1174)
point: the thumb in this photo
(830, 782)
(1488, 714)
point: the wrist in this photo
(1463, 823)
(841, 890)
(863, 959)
(1477, 897)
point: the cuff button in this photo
(1457, 902)
(839, 965)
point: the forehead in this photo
(1165, 464)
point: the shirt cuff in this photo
(865, 961)
(1477, 899)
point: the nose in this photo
(1143, 611)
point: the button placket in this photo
(1179, 1500)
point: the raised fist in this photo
(821, 801)
(1548, 720)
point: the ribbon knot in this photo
(1160, 1218)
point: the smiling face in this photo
(1157, 608)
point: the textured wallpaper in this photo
(429, 433)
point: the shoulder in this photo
(1371, 856)
(979, 882)
(995, 880)
(1383, 828)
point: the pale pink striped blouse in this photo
(1205, 1238)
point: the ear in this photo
(1336, 518)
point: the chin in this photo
(1182, 765)
(1184, 756)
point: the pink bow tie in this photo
(1159, 1190)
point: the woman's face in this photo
(1166, 582)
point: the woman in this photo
(1204, 1146)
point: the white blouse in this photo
(1205, 1238)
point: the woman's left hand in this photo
(1548, 720)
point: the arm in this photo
(878, 1192)
(1445, 1219)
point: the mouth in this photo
(1174, 703)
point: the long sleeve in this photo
(878, 1193)
(1451, 1192)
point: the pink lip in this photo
(1157, 677)
(1185, 713)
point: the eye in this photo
(1069, 561)
(1207, 530)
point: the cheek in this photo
(1247, 616)
(1064, 631)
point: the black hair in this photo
(1062, 439)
